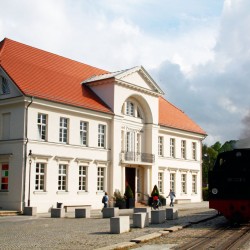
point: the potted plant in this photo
(119, 200)
(129, 196)
(155, 192)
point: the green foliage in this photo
(209, 155)
(128, 192)
(155, 191)
(118, 196)
(205, 193)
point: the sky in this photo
(197, 51)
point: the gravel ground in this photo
(44, 232)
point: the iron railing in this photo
(137, 157)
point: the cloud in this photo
(199, 55)
(216, 91)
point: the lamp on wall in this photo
(30, 161)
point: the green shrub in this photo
(128, 192)
(205, 193)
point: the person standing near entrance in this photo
(172, 196)
(105, 200)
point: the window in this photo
(130, 142)
(194, 184)
(172, 147)
(101, 136)
(4, 176)
(83, 133)
(138, 142)
(41, 126)
(130, 109)
(160, 146)
(160, 182)
(194, 150)
(183, 149)
(82, 178)
(100, 178)
(63, 136)
(40, 177)
(172, 181)
(183, 183)
(62, 177)
(139, 113)
(4, 86)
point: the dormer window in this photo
(4, 86)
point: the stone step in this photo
(9, 213)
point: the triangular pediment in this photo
(139, 76)
(135, 77)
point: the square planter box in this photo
(130, 203)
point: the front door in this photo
(130, 178)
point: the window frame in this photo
(184, 183)
(63, 130)
(172, 147)
(160, 145)
(84, 133)
(40, 176)
(101, 178)
(4, 86)
(194, 184)
(62, 184)
(194, 150)
(130, 108)
(183, 149)
(82, 178)
(101, 135)
(172, 178)
(160, 181)
(42, 126)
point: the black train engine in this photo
(229, 185)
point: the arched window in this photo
(130, 110)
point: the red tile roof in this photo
(171, 116)
(45, 75)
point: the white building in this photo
(70, 131)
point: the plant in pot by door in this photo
(129, 196)
(119, 200)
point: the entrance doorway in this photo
(130, 178)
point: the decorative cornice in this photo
(63, 158)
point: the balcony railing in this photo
(137, 157)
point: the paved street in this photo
(43, 232)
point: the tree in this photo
(209, 155)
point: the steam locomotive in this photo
(229, 185)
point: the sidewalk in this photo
(43, 232)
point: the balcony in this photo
(136, 157)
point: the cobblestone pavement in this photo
(43, 232)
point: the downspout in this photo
(25, 151)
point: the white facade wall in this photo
(52, 153)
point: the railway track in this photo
(221, 238)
